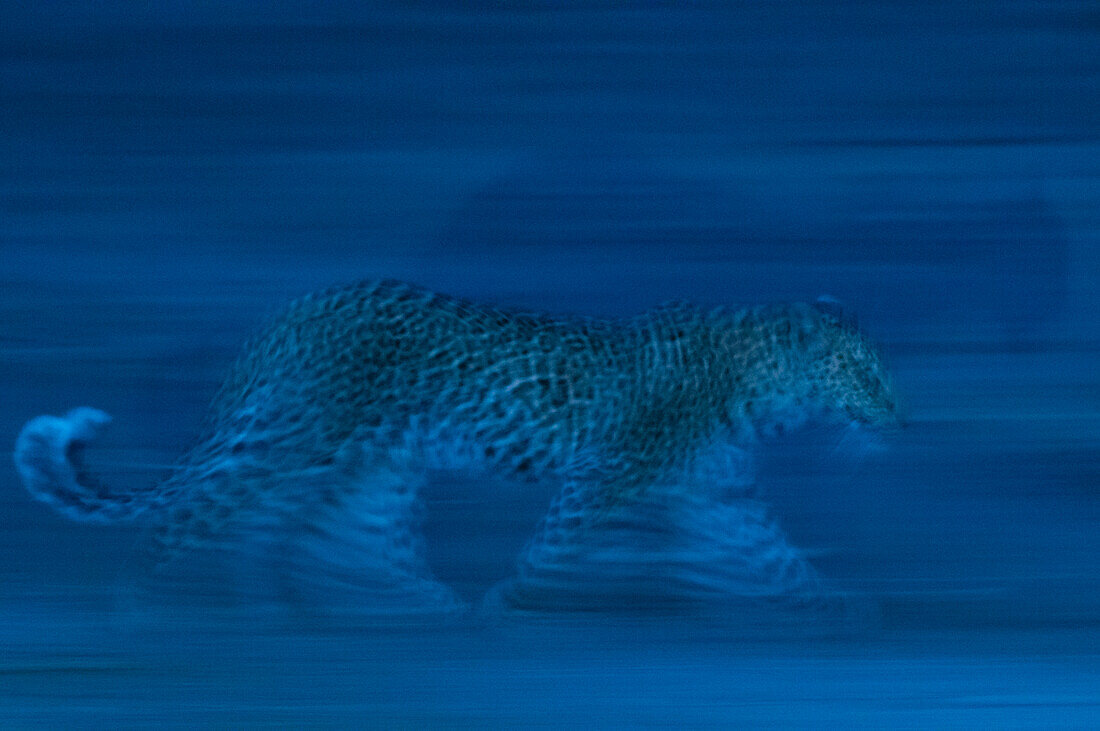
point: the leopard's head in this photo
(846, 374)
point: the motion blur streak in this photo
(172, 173)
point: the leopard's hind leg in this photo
(339, 538)
(361, 549)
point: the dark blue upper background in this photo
(933, 160)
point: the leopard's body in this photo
(385, 380)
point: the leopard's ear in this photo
(831, 306)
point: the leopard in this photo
(318, 442)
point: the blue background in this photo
(171, 173)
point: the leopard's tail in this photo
(49, 459)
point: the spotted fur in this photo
(385, 378)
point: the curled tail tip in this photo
(55, 435)
(87, 421)
(47, 459)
